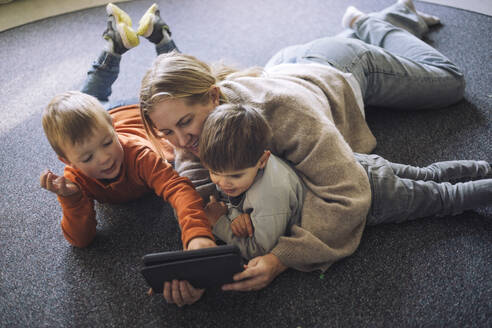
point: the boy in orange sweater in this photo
(110, 160)
(108, 156)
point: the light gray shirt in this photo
(274, 203)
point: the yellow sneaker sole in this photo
(128, 36)
(145, 25)
(119, 14)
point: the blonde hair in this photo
(234, 137)
(177, 75)
(72, 116)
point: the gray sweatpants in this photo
(403, 192)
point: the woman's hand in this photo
(258, 273)
(181, 293)
(57, 184)
(241, 226)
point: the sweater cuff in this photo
(71, 201)
(287, 256)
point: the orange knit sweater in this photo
(142, 172)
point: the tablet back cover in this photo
(203, 268)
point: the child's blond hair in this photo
(72, 117)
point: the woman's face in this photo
(181, 123)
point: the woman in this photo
(315, 109)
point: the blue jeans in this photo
(393, 66)
(403, 192)
(104, 72)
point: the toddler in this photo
(233, 147)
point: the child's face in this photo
(98, 157)
(234, 183)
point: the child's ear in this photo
(264, 158)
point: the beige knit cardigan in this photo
(316, 125)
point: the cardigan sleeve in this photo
(338, 194)
(188, 165)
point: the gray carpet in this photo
(427, 273)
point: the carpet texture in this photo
(479, 6)
(432, 272)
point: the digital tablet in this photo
(202, 268)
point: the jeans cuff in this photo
(108, 59)
(166, 47)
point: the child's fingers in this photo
(212, 199)
(43, 177)
(241, 231)
(62, 185)
(234, 230)
(249, 225)
(238, 229)
(53, 182)
(242, 223)
(49, 181)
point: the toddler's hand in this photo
(58, 184)
(242, 226)
(214, 210)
